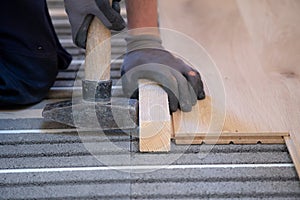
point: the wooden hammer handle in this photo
(98, 52)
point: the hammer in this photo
(97, 84)
(96, 108)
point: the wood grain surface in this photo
(256, 46)
(98, 52)
(154, 118)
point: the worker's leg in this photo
(25, 80)
(30, 53)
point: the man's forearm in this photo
(141, 13)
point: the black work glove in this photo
(81, 13)
(146, 59)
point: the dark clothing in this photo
(30, 52)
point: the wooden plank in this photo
(195, 122)
(255, 101)
(232, 138)
(154, 118)
(194, 128)
(294, 150)
(186, 137)
(274, 27)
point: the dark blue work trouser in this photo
(30, 53)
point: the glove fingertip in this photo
(80, 41)
(173, 107)
(81, 36)
(201, 95)
(185, 104)
(186, 107)
(118, 27)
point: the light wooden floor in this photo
(256, 47)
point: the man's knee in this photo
(19, 92)
(25, 80)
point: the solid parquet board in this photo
(255, 45)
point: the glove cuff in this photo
(136, 42)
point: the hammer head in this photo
(118, 113)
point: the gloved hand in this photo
(146, 58)
(81, 13)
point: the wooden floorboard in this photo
(256, 100)
(255, 46)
